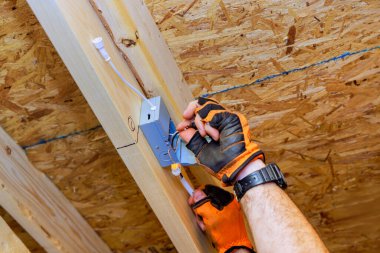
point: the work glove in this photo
(219, 214)
(226, 157)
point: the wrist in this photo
(251, 167)
(258, 174)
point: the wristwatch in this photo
(270, 173)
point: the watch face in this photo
(281, 181)
(270, 173)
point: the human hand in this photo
(218, 213)
(230, 149)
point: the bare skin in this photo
(276, 223)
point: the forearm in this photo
(276, 223)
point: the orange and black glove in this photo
(221, 217)
(226, 157)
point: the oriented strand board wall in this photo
(27, 240)
(9, 241)
(322, 124)
(39, 100)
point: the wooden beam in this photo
(135, 34)
(39, 207)
(71, 25)
(9, 241)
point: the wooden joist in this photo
(71, 25)
(137, 37)
(134, 32)
(37, 205)
(9, 241)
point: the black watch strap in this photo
(270, 173)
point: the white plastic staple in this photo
(98, 43)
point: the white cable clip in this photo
(98, 43)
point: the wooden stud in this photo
(38, 206)
(9, 241)
(71, 25)
(137, 37)
(134, 32)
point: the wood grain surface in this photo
(40, 207)
(320, 125)
(40, 100)
(9, 242)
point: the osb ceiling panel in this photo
(40, 101)
(320, 123)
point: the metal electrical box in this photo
(158, 130)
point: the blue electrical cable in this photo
(44, 141)
(287, 72)
(258, 81)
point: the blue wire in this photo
(44, 141)
(260, 80)
(287, 72)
